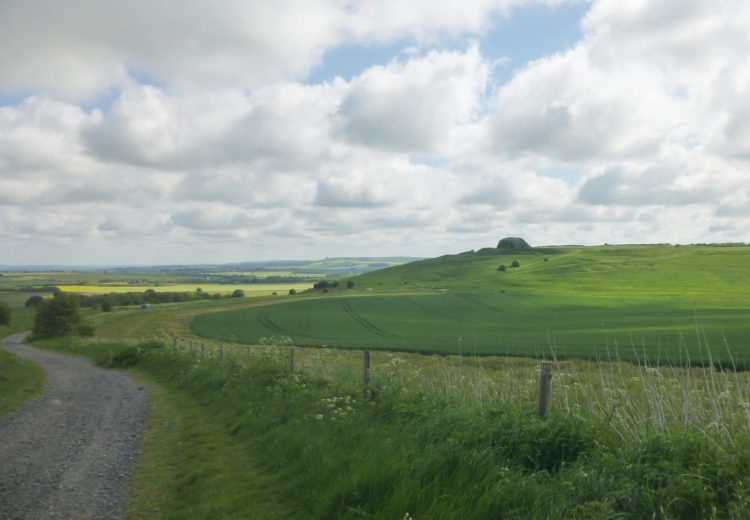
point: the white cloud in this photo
(39, 135)
(147, 126)
(85, 48)
(82, 49)
(414, 105)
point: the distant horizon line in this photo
(16, 267)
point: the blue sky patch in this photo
(529, 33)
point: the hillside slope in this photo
(694, 272)
(652, 301)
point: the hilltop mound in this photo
(513, 243)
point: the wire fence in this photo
(633, 399)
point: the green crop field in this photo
(661, 302)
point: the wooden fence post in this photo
(174, 342)
(545, 390)
(291, 359)
(366, 371)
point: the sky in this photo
(140, 132)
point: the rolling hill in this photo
(684, 303)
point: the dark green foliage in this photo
(149, 296)
(502, 268)
(84, 329)
(350, 284)
(124, 358)
(4, 313)
(106, 305)
(292, 291)
(238, 293)
(325, 284)
(515, 263)
(34, 300)
(59, 316)
(513, 243)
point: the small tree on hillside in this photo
(502, 268)
(33, 301)
(515, 263)
(4, 313)
(59, 316)
(292, 291)
(350, 284)
(238, 293)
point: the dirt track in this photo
(69, 453)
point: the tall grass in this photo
(634, 399)
(457, 437)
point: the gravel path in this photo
(69, 453)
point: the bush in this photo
(4, 313)
(502, 268)
(325, 284)
(238, 293)
(106, 306)
(515, 263)
(350, 284)
(60, 316)
(292, 291)
(33, 301)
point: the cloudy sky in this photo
(134, 131)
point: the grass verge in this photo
(191, 467)
(19, 380)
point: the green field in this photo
(661, 302)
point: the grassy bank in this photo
(19, 379)
(192, 467)
(420, 451)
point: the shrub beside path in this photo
(70, 452)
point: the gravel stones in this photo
(70, 452)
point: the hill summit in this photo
(513, 243)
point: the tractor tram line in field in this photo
(362, 320)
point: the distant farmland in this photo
(251, 289)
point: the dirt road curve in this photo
(69, 453)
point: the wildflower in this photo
(319, 417)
